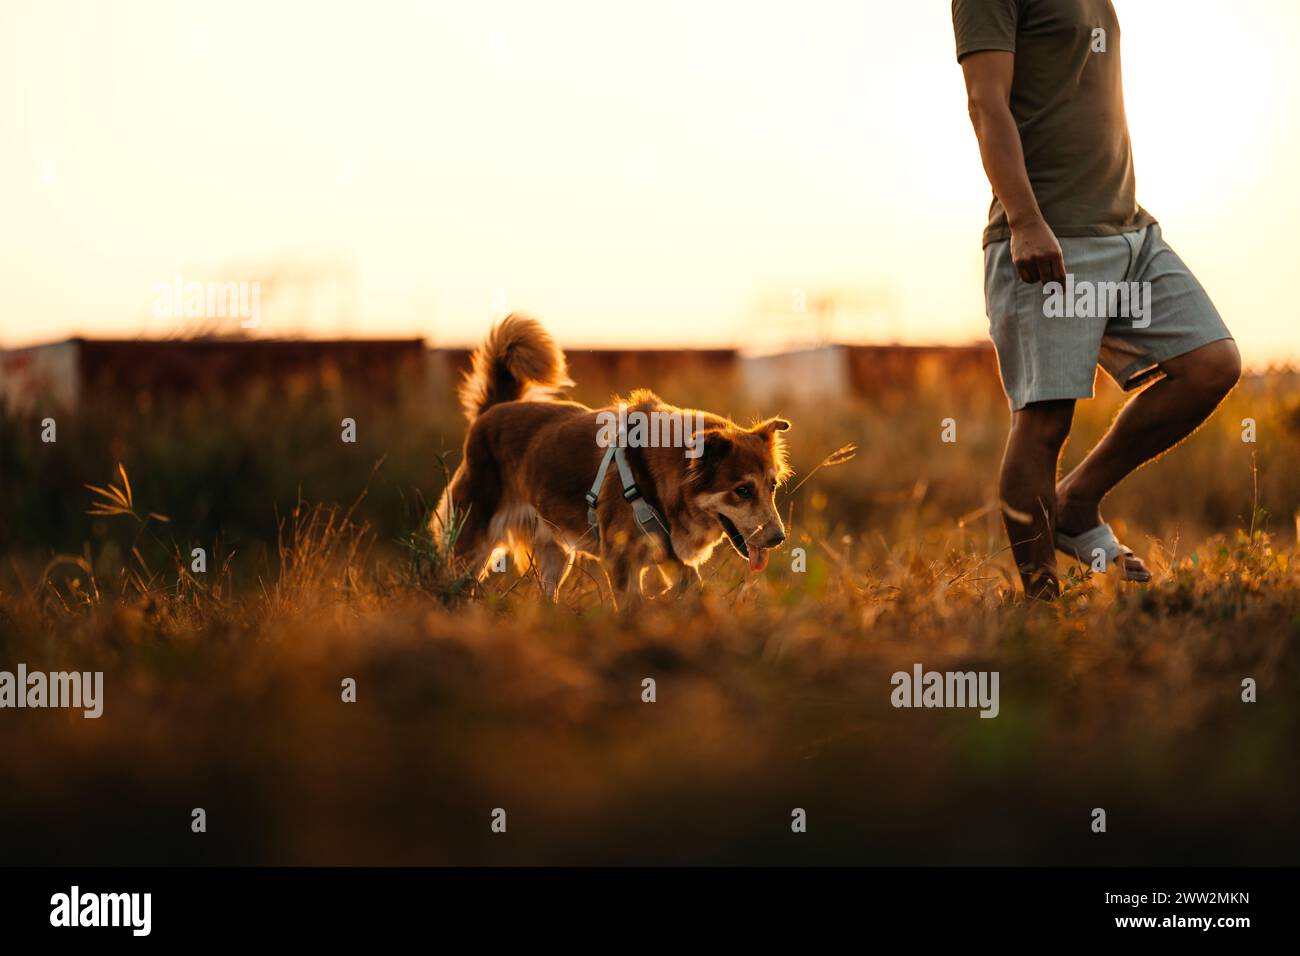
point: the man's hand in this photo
(1035, 252)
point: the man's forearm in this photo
(1004, 162)
(1035, 253)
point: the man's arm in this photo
(1034, 249)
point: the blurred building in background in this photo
(66, 374)
(602, 373)
(871, 371)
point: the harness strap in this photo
(594, 494)
(647, 518)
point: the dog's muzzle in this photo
(757, 554)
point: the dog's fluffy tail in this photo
(518, 360)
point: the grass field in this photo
(772, 691)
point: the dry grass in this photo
(223, 689)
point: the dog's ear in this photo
(771, 426)
(771, 430)
(715, 445)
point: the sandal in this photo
(1101, 542)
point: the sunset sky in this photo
(668, 173)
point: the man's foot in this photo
(1075, 517)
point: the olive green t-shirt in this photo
(1068, 102)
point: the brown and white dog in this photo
(530, 459)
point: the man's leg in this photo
(1028, 490)
(1156, 419)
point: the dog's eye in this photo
(744, 491)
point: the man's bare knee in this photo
(1044, 424)
(1222, 368)
(1212, 369)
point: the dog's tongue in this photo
(757, 559)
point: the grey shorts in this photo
(1128, 304)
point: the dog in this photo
(530, 459)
